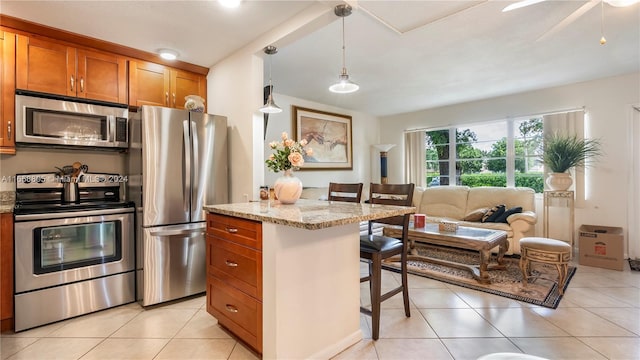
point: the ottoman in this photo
(547, 251)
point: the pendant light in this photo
(270, 106)
(344, 85)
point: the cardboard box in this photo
(601, 246)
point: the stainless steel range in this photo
(71, 257)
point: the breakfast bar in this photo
(300, 283)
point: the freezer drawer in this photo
(173, 262)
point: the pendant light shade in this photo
(270, 106)
(344, 85)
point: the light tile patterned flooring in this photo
(598, 318)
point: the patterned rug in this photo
(507, 283)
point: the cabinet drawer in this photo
(241, 231)
(236, 311)
(236, 265)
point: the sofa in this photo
(462, 204)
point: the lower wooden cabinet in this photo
(234, 276)
(6, 271)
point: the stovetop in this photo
(44, 208)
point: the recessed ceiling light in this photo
(168, 54)
(230, 3)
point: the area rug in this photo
(507, 282)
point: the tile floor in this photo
(598, 318)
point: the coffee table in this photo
(469, 238)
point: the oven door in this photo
(72, 247)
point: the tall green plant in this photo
(562, 152)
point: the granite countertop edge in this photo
(240, 211)
(7, 201)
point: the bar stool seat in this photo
(546, 251)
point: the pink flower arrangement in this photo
(288, 154)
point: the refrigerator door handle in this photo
(186, 169)
(190, 232)
(195, 187)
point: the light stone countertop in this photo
(310, 214)
(7, 201)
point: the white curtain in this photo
(633, 211)
(569, 123)
(415, 158)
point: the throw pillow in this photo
(503, 218)
(475, 215)
(493, 213)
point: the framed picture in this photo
(328, 134)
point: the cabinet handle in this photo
(9, 130)
(232, 230)
(81, 84)
(166, 98)
(174, 99)
(231, 308)
(231, 263)
(72, 81)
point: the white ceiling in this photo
(405, 55)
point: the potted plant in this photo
(563, 152)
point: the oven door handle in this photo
(58, 215)
(190, 232)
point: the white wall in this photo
(234, 90)
(607, 102)
(364, 129)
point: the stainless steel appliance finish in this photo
(60, 122)
(177, 164)
(71, 258)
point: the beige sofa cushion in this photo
(488, 197)
(445, 201)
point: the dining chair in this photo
(376, 248)
(345, 192)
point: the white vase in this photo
(288, 188)
(559, 181)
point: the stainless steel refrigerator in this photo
(177, 164)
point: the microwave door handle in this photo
(186, 168)
(110, 127)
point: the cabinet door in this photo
(45, 66)
(148, 84)
(101, 77)
(6, 268)
(7, 92)
(185, 83)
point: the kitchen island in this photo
(300, 284)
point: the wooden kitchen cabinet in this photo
(6, 271)
(52, 67)
(159, 85)
(234, 276)
(7, 92)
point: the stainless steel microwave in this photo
(62, 122)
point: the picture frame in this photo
(329, 135)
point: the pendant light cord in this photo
(344, 63)
(602, 38)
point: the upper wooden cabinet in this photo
(51, 67)
(154, 84)
(7, 92)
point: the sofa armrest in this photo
(527, 216)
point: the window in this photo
(501, 153)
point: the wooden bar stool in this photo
(547, 251)
(375, 248)
(345, 192)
